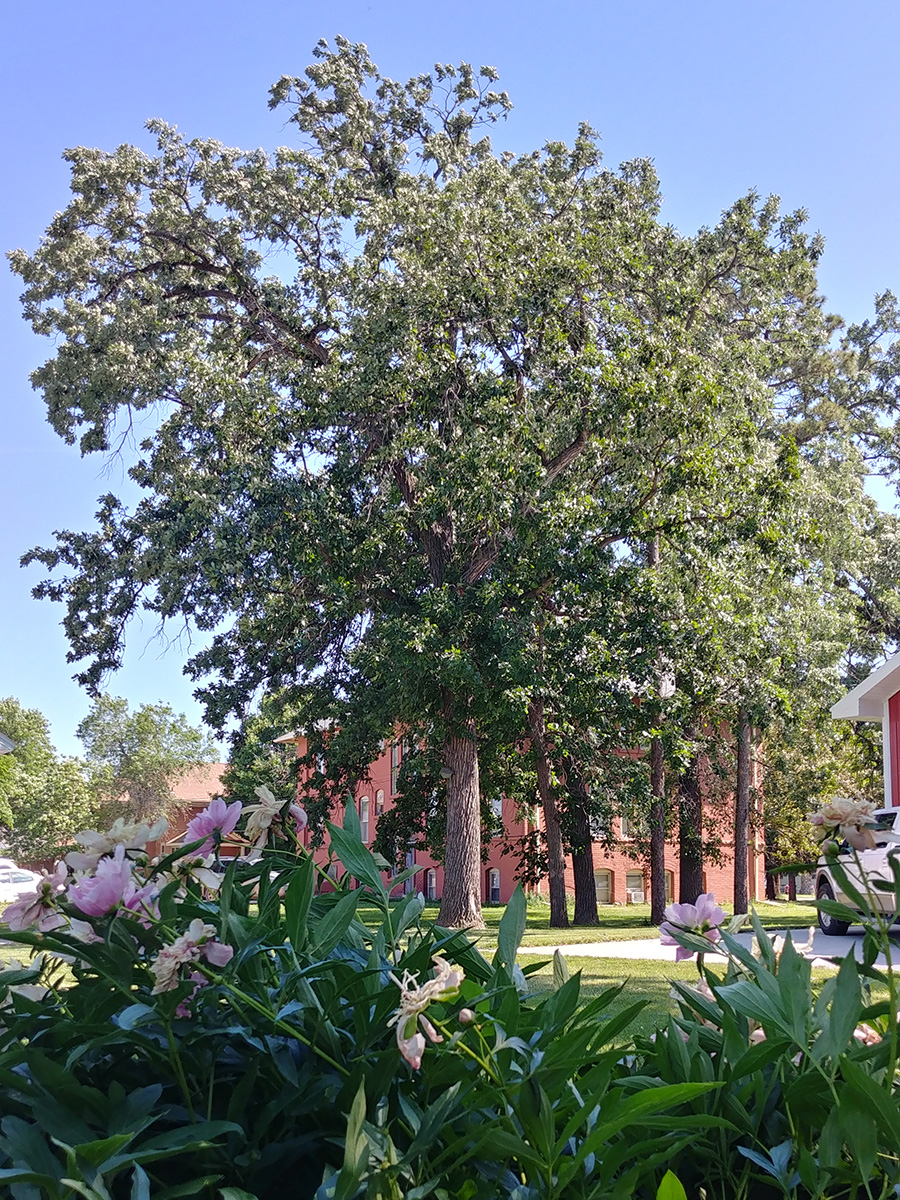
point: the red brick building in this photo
(621, 876)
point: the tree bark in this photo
(742, 813)
(792, 887)
(461, 899)
(657, 833)
(582, 850)
(770, 887)
(771, 879)
(556, 863)
(690, 833)
(658, 806)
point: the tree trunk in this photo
(582, 850)
(771, 880)
(461, 899)
(657, 833)
(742, 813)
(770, 887)
(556, 863)
(658, 806)
(690, 833)
(792, 887)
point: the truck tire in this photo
(829, 925)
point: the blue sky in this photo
(796, 98)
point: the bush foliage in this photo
(279, 1071)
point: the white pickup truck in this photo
(875, 865)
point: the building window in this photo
(494, 886)
(603, 880)
(379, 802)
(409, 884)
(634, 887)
(364, 818)
(626, 825)
(497, 814)
(431, 885)
(396, 756)
(670, 887)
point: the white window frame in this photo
(494, 885)
(396, 760)
(364, 809)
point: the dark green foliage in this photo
(285, 1077)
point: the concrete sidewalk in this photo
(823, 948)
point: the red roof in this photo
(199, 783)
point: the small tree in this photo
(44, 800)
(257, 758)
(135, 757)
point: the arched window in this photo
(379, 802)
(364, 818)
(634, 887)
(431, 885)
(603, 880)
(493, 888)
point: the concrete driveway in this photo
(823, 948)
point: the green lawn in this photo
(644, 979)
(617, 922)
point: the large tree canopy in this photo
(399, 382)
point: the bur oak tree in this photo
(380, 376)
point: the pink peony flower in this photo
(866, 1034)
(142, 901)
(217, 954)
(213, 824)
(198, 942)
(411, 1048)
(702, 918)
(199, 981)
(39, 907)
(95, 895)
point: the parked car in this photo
(16, 880)
(875, 864)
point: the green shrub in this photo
(247, 1042)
